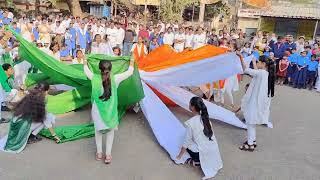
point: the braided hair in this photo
(105, 68)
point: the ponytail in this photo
(105, 68)
(200, 107)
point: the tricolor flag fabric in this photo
(162, 71)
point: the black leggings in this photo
(194, 155)
(271, 84)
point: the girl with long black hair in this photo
(104, 104)
(29, 118)
(200, 142)
(255, 104)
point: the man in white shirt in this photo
(112, 34)
(98, 29)
(179, 40)
(189, 38)
(162, 26)
(199, 39)
(119, 36)
(168, 37)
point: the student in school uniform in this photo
(179, 40)
(83, 37)
(139, 50)
(301, 73)
(79, 59)
(292, 68)
(312, 71)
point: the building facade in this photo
(282, 17)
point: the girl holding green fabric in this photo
(29, 118)
(105, 104)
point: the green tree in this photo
(172, 10)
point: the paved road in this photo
(289, 151)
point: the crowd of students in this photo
(68, 38)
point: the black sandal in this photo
(247, 147)
(254, 143)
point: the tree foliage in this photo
(172, 10)
(217, 9)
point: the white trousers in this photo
(251, 130)
(109, 141)
(8, 97)
(47, 123)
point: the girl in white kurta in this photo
(255, 104)
(200, 141)
(231, 85)
(100, 126)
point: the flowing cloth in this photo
(19, 132)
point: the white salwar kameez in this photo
(99, 125)
(35, 128)
(255, 104)
(196, 141)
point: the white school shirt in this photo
(120, 36)
(112, 36)
(75, 61)
(102, 48)
(98, 30)
(189, 39)
(199, 40)
(168, 38)
(179, 47)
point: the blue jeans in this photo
(127, 48)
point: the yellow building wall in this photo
(244, 23)
(267, 24)
(306, 28)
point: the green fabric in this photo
(6, 57)
(71, 133)
(18, 134)
(56, 72)
(129, 91)
(4, 81)
(108, 109)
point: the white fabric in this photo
(182, 98)
(207, 70)
(251, 130)
(98, 30)
(109, 141)
(255, 104)
(209, 154)
(20, 73)
(76, 61)
(231, 84)
(168, 130)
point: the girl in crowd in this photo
(116, 51)
(255, 104)
(282, 71)
(79, 57)
(104, 104)
(267, 51)
(200, 142)
(29, 118)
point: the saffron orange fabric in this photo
(257, 3)
(136, 53)
(165, 57)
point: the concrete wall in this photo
(244, 23)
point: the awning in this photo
(292, 12)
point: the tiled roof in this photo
(292, 12)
